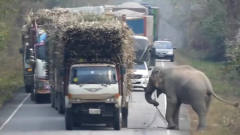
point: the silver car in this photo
(164, 50)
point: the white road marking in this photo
(14, 112)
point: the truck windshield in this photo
(93, 75)
(41, 52)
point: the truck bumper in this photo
(93, 112)
(43, 92)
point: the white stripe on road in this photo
(14, 112)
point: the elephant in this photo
(182, 84)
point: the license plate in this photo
(94, 111)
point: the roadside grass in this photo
(9, 84)
(222, 119)
(10, 76)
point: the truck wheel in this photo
(37, 99)
(55, 101)
(68, 120)
(172, 59)
(117, 119)
(28, 88)
(52, 100)
(32, 96)
(125, 117)
(61, 105)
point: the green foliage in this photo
(213, 30)
(9, 83)
(233, 54)
(3, 35)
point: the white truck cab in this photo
(93, 92)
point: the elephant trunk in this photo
(148, 95)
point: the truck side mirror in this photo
(21, 50)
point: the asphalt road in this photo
(21, 116)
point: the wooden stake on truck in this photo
(89, 59)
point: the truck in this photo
(89, 57)
(143, 18)
(34, 61)
(25, 50)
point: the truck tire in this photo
(52, 100)
(117, 119)
(32, 96)
(37, 99)
(28, 88)
(55, 101)
(61, 104)
(68, 120)
(172, 58)
(125, 117)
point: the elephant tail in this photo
(223, 100)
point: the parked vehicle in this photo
(164, 50)
(34, 60)
(140, 76)
(142, 20)
(26, 52)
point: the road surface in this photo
(21, 116)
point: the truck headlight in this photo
(29, 69)
(112, 99)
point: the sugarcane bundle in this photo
(76, 36)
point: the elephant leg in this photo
(176, 115)
(201, 110)
(208, 101)
(171, 107)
